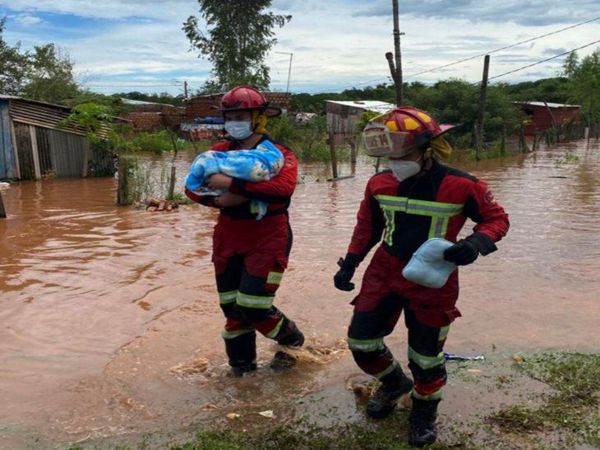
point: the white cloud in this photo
(334, 48)
(27, 20)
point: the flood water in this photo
(109, 323)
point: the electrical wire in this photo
(543, 60)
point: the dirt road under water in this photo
(109, 323)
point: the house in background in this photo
(342, 116)
(152, 116)
(33, 144)
(544, 115)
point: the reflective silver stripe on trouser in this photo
(386, 371)
(254, 301)
(365, 345)
(227, 297)
(423, 361)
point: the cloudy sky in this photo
(125, 45)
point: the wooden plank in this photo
(34, 152)
(2, 210)
(15, 149)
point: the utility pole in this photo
(398, 56)
(481, 113)
(287, 88)
(185, 89)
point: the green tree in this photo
(14, 66)
(50, 78)
(584, 85)
(239, 35)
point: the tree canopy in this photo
(238, 36)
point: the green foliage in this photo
(44, 74)
(51, 75)
(159, 142)
(163, 97)
(95, 119)
(364, 120)
(584, 83)
(238, 37)
(13, 66)
(308, 141)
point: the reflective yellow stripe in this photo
(435, 396)
(275, 331)
(254, 301)
(419, 207)
(444, 333)
(384, 372)
(366, 345)
(390, 226)
(425, 362)
(439, 212)
(274, 277)
(233, 334)
(227, 297)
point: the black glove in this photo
(461, 253)
(467, 250)
(347, 267)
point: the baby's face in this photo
(238, 116)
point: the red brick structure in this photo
(205, 105)
(544, 115)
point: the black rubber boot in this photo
(422, 422)
(290, 335)
(241, 352)
(384, 400)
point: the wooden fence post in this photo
(2, 210)
(123, 181)
(481, 113)
(334, 171)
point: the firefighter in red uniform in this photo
(417, 200)
(251, 255)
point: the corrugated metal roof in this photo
(42, 115)
(550, 105)
(368, 105)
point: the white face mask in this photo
(404, 169)
(239, 130)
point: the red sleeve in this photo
(369, 226)
(279, 189)
(490, 217)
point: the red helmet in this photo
(401, 130)
(246, 98)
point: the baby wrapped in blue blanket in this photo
(259, 164)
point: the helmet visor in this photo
(377, 140)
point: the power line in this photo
(543, 60)
(482, 54)
(504, 48)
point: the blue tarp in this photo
(8, 167)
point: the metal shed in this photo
(342, 116)
(34, 145)
(544, 115)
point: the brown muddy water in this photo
(110, 326)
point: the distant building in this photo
(544, 115)
(207, 105)
(33, 144)
(152, 116)
(203, 119)
(342, 116)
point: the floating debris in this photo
(268, 413)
